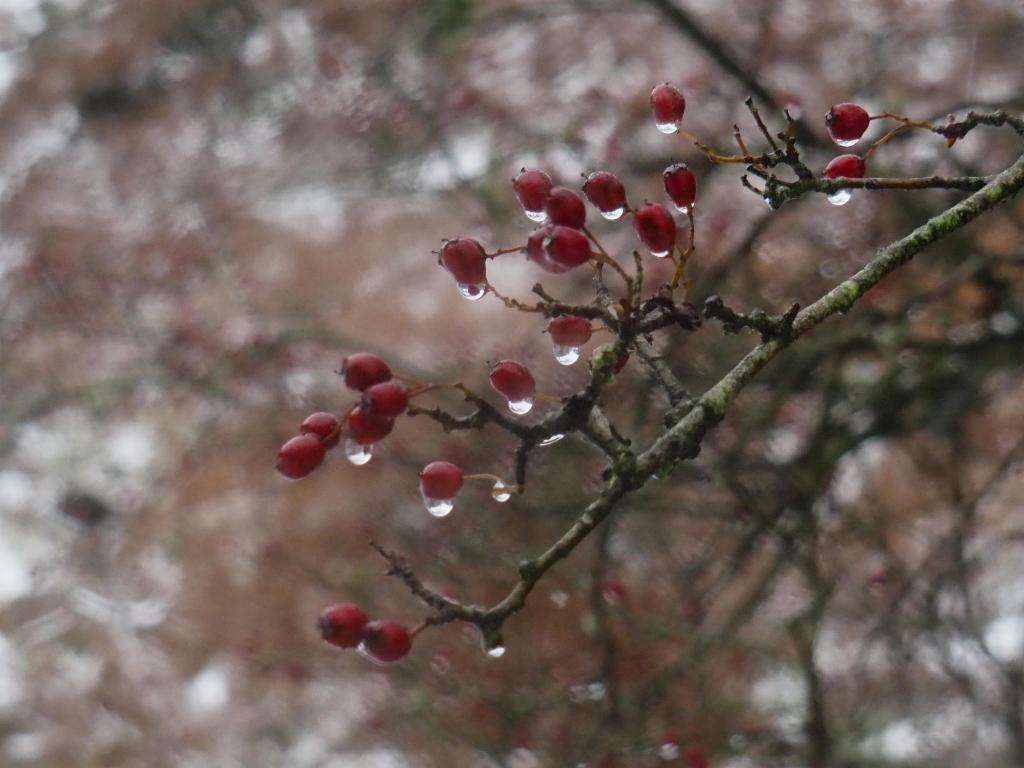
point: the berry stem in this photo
(684, 257)
(504, 251)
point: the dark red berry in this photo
(668, 106)
(363, 370)
(513, 380)
(532, 188)
(564, 206)
(681, 185)
(620, 363)
(465, 259)
(569, 330)
(325, 426)
(343, 625)
(695, 757)
(567, 247)
(536, 252)
(385, 400)
(387, 640)
(300, 456)
(605, 192)
(846, 123)
(440, 480)
(367, 429)
(655, 227)
(848, 166)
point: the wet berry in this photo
(848, 166)
(366, 429)
(363, 370)
(385, 400)
(569, 330)
(537, 252)
(566, 247)
(300, 456)
(465, 259)
(387, 640)
(846, 123)
(440, 480)
(668, 106)
(565, 207)
(681, 185)
(655, 227)
(513, 380)
(532, 188)
(343, 625)
(325, 426)
(605, 192)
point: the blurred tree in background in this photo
(205, 205)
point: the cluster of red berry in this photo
(561, 243)
(346, 625)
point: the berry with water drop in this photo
(465, 259)
(513, 380)
(569, 331)
(668, 106)
(440, 480)
(655, 227)
(606, 193)
(366, 429)
(343, 625)
(846, 123)
(848, 166)
(532, 188)
(300, 456)
(681, 186)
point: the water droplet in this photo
(842, 197)
(357, 453)
(537, 216)
(496, 651)
(560, 598)
(659, 254)
(683, 209)
(500, 492)
(578, 693)
(566, 355)
(615, 213)
(595, 691)
(519, 407)
(668, 751)
(846, 142)
(667, 127)
(472, 291)
(438, 507)
(550, 440)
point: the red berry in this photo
(567, 247)
(668, 106)
(681, 185)
(848, 166)
(695, 757)
(620, 363)
(613, 589)
(440, 480)
(387, 640)
(342, 624)
(363, 370)
(655, 227)
(385, 400)
(846, 123)
(565, 207)
(367, 429)
(513, 380)
(465, 259)
(300, 456)
(606, 193)
(325, 426)
(536, 252)
(569, 331)
(532, 188)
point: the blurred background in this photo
(206, 204)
